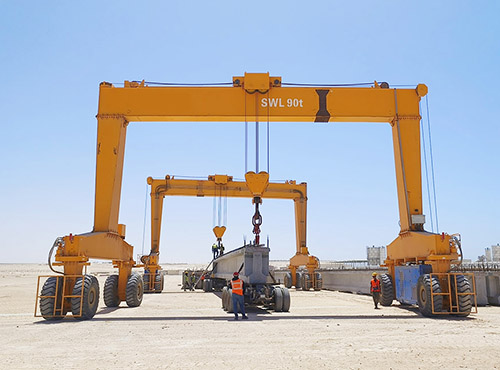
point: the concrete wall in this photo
(358, 281)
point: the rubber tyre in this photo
(47, 305)
(278, 299)
(229, 300)
(223, 298)
(464, 301)
(159, 282)
(111, 298)
(286, 299)
(306, 281)
(145, 279)
(90, 301)
(298, 280)
(287, 280)
(207, 285)
(318, 285)
(424, 286)
(134, 290)
(386, 290)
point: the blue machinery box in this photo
(406, 282)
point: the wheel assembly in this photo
(461, 295)
(134, 290)
(85, 298)
(229, 301)
(223, 298)
(387, 290)
(111, 298)
(318, 281)
(288, 280)
(159, 282)
(145, 279)
(51, 299)
(306, 282)
(298, 280)
(278, 299)
(425, 286)
(286, 299)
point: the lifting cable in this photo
(426, 171)
(432, 161)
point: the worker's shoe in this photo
(245, 317)
(236, 318)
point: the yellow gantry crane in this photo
(255, 186)
(251, 97)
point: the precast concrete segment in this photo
(252, 262)
(358, 281)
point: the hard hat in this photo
(236, 274)
(374, 274)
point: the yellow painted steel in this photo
(219, 231)
(445, 282)
(232, 189)
(253, 97)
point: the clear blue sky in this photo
(53, 55)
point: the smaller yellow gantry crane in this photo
(257, 187)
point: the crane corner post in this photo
(416, 258)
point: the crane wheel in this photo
(111, 298)
(287, 280)
(286, 299)
(145, 279)
(424, 287)
(278, 299)
(298, 280)
(159, 282)
(306, 282)
(134, 290)
(223, 299)
(84, 306)
(229, 301)
(318, 281)
(387, 290)
(51, 308)
(464, 301)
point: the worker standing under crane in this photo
(375, 289)
(237, 286)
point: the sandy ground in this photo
(185, 330)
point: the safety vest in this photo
(237, 286)
(375, 286)
(214, 246)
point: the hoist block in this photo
(219, 231)
(257, 182)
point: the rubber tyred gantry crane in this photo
(250, 97)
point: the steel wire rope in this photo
(185, 83)
(426, 171)
(256, 135)
(268, 108)
(327, 85)
(432, 162)
(246, 136)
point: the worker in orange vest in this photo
(238, 298)
(375, 289)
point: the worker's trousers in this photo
(238, 300)
(376, 298)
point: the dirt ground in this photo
(186, 330)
